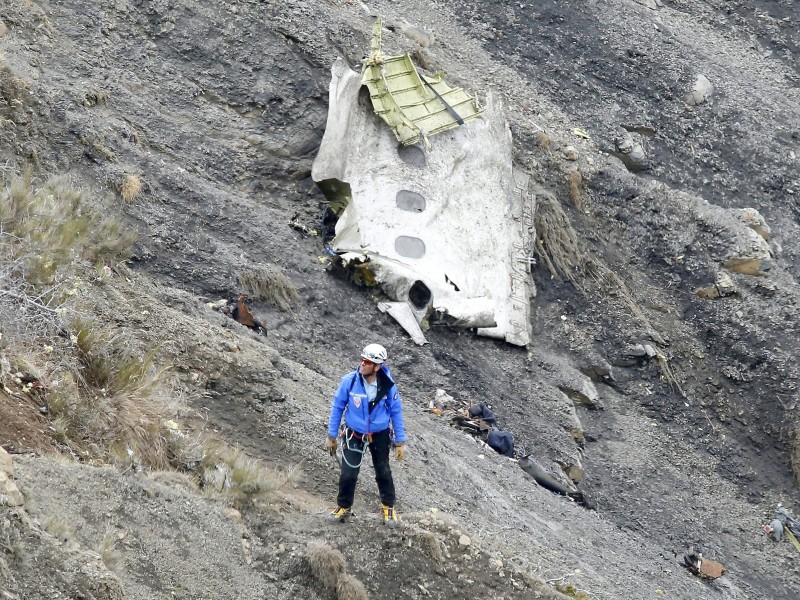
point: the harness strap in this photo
(347, 438)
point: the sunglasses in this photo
(367, 362)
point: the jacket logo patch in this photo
(357, 400)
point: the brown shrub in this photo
(268, 283)
(327, 564)
(350, 588)
(131, 187)
(12, 91)
(543, 140)
(54, 225)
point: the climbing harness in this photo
(363, 441)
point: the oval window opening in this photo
(419, 295)
(410, 201)
(412, 155)
(410, 247)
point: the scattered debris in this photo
(239, 312)
(484, 413)
(636, 355)
(784, 524)
(722, 286)
(543, 478)
(402, 313)
(501, 442)
(413, 105)
(702, 567)
(441, 402)
(294, 223)
(480, 421)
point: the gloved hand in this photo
(330, 445)
(400, 451)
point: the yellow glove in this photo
(330, 445)
(400, 451)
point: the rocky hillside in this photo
(163, 450)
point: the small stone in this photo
(569, 153)
(701, 91)
(464, 541)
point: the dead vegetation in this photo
(117, 405)
(12, 92)
(559, 249)
(130, 187)
(107, 402)
(107, 549)
(328, 566)
(53, 226)
(268, 283)
(229, 471)
(543, 140)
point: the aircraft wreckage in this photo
(445, 228)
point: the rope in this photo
(347, 437)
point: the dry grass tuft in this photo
(327, 564)
(432, 547)
(230, 471)
(569, 590)
(54, 225)
(95, 97)
(269, 283)
(59, 529)
(131, 187)
(556, 241)
(543, 140)
(13, 90)
(350, 588)
(119, 401)
(558, 247)
(111, 557)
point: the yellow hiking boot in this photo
(339, 515)
(389, 516)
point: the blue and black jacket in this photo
(367, 417)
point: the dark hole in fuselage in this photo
(419, 295)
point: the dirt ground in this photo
(220, 109)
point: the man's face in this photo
(368, 368)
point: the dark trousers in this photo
(351, 451)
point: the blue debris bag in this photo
(502, 442)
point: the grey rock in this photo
(701, 91)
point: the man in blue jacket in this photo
(370, 402)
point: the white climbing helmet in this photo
(375, 353)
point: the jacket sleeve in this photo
(396, 414)
(337, 408)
